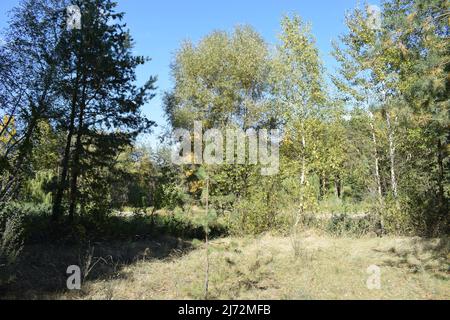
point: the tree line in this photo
(371, 135)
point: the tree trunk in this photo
(440, 155)
(377, 161)
(207, 241)
(321, 187)
(24, 151)
(391, 139)
(13, 183)
(77, 154)
(76, 165)
(56, 211)
(338, 185)
(303, 174)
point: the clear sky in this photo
(159, 26)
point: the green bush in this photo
(252, 216)
(12, 239)
(343, 224)
(15, 225)
(21, 222)
(38, 190)
(419, 215)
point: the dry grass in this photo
(268, 268)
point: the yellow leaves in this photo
(410, 18)
(287, 140)
(403, 48)
(7, 129)
(189, 173)
(196, 186)
(193, 183)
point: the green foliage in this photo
(345, 225)
(12, 238)
(207, 221)
(264, 207)
(220, 81)
(39, 190)
(170, 196)
(397, 75)
(377, 142)
(16, 229)
(251, 216)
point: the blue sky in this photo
(159, 26)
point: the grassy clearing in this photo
(267, 268)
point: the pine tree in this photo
(99, 85)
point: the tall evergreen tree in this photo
(99, 85)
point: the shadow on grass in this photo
(421, 255)
(101, 250)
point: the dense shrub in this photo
(344, 224)
(24, 224)
(252, 216)
(21, 222)
(12, 239)
(15, 225)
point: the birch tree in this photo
(298, 83)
